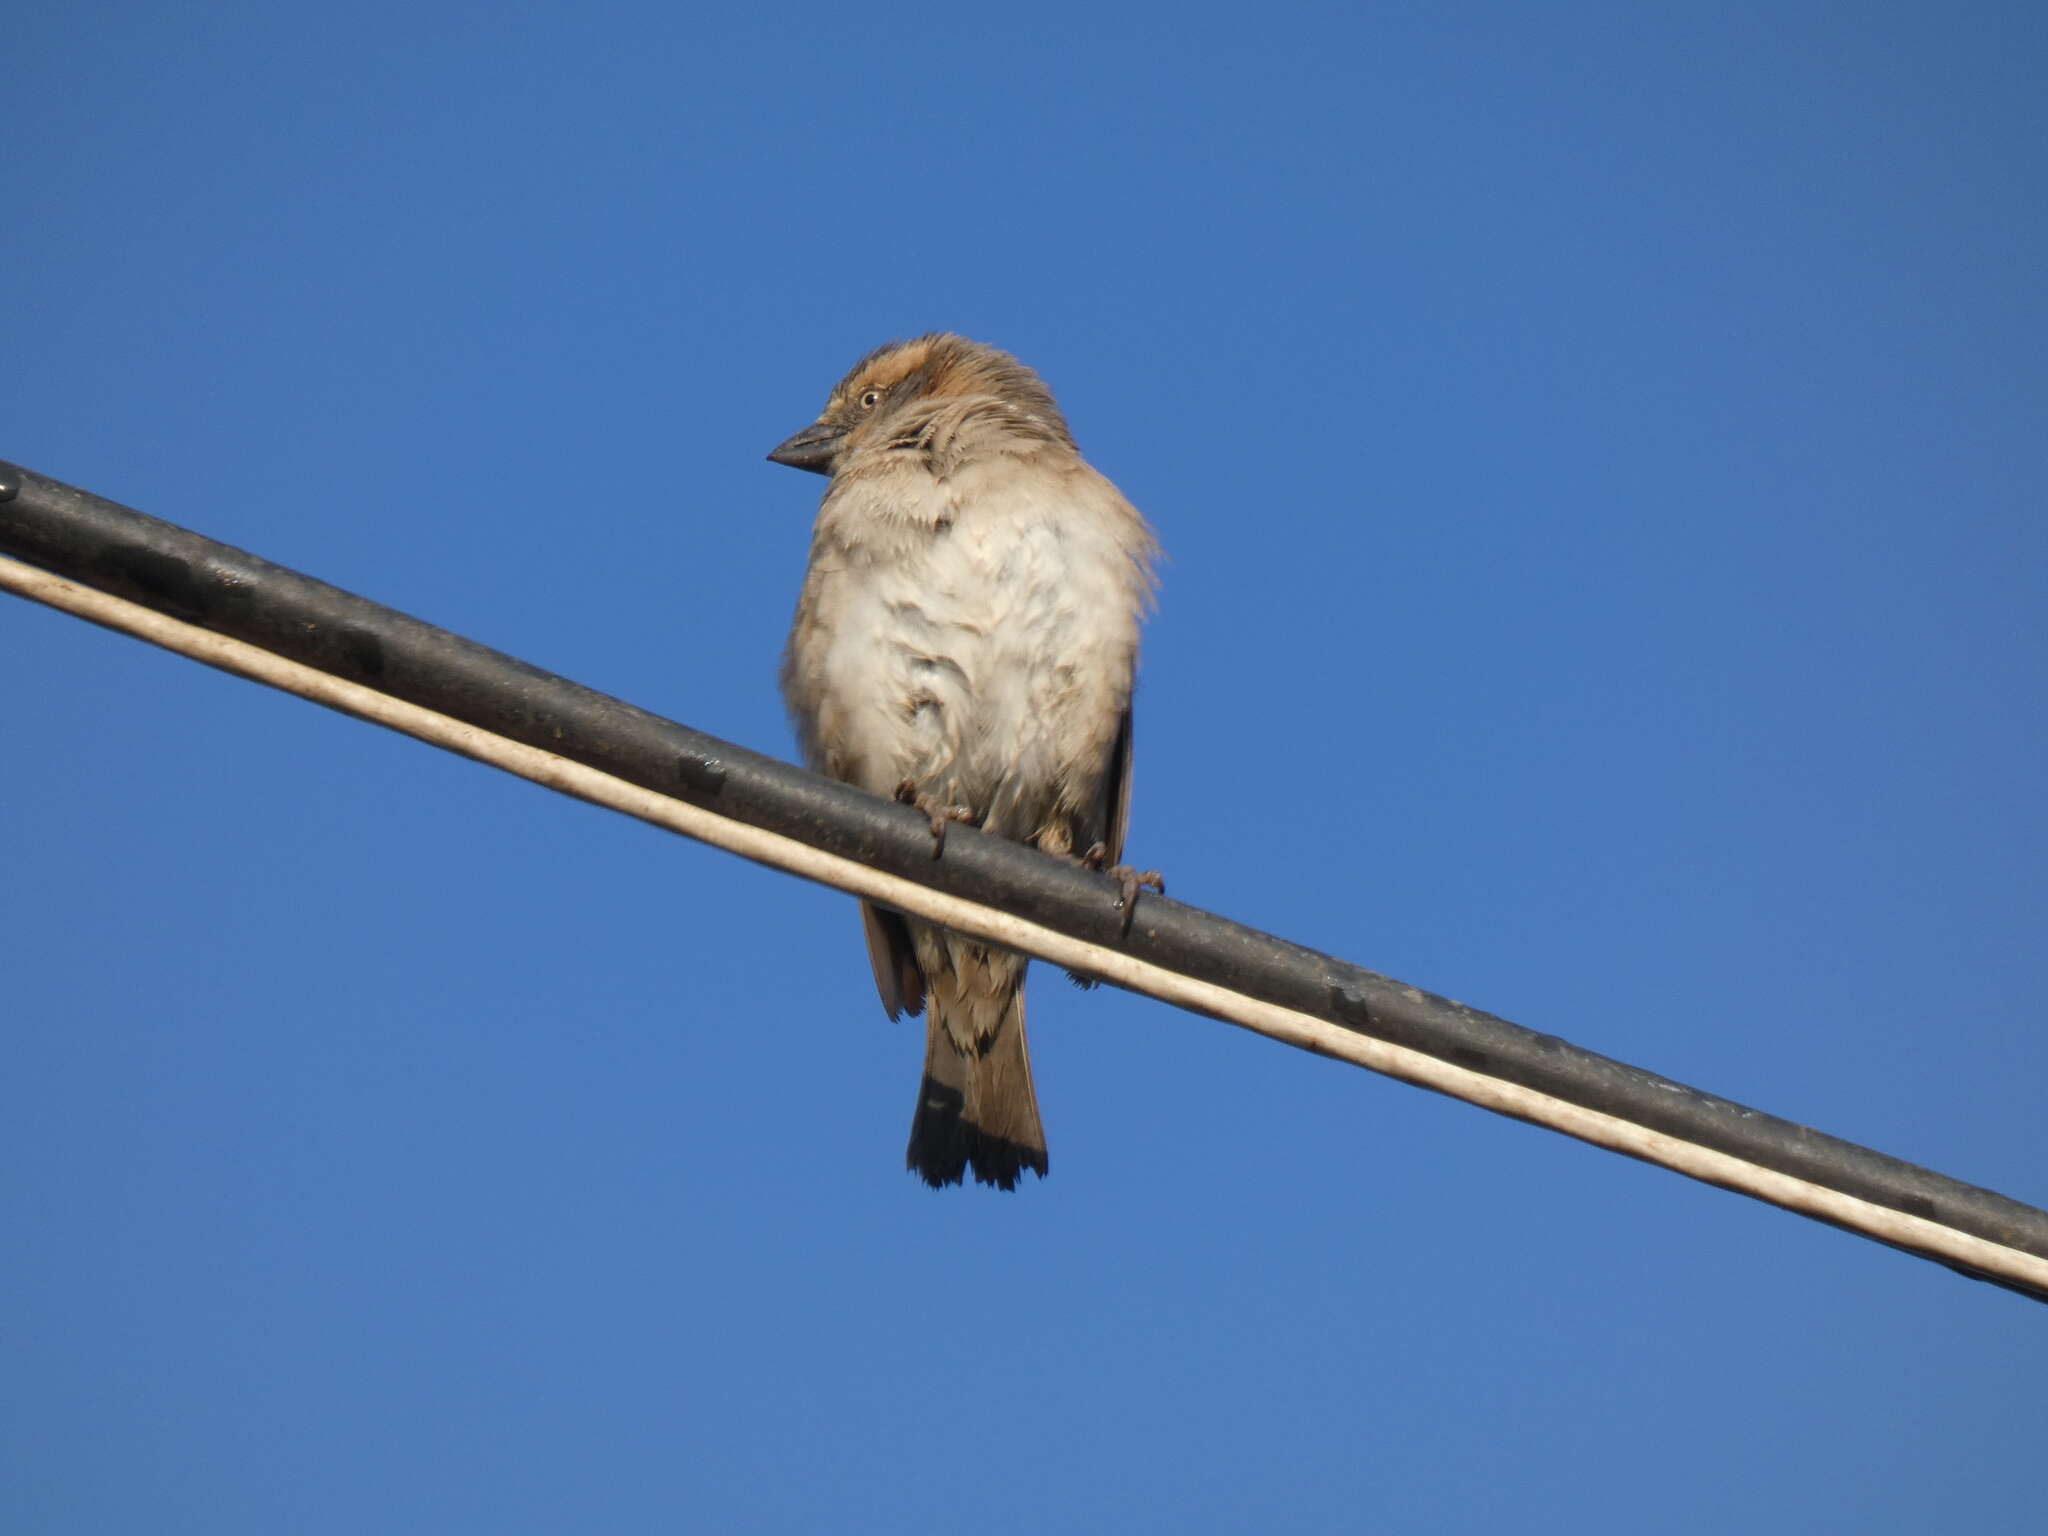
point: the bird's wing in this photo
(897, 977)
(1117, 791)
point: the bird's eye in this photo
(871, 399)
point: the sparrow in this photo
(966, 640)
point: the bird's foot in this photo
(1129, 881)
(940, 816)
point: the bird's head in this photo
(887, 392)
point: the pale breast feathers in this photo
(975, 627)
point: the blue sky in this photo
(1600, 454)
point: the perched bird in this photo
(966, 640)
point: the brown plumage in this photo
(967, 636)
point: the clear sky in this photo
(1600, 449)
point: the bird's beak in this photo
(814, 449)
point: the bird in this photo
(966, 640)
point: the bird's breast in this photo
(971, 637)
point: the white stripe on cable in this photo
(1285, 1024)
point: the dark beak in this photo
(814, 449)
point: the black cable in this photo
(182, 574)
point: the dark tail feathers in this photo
(976, 1110)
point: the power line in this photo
(232, 610)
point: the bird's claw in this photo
(1129, 881)
(940, 816)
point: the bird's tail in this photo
(977, 1108)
